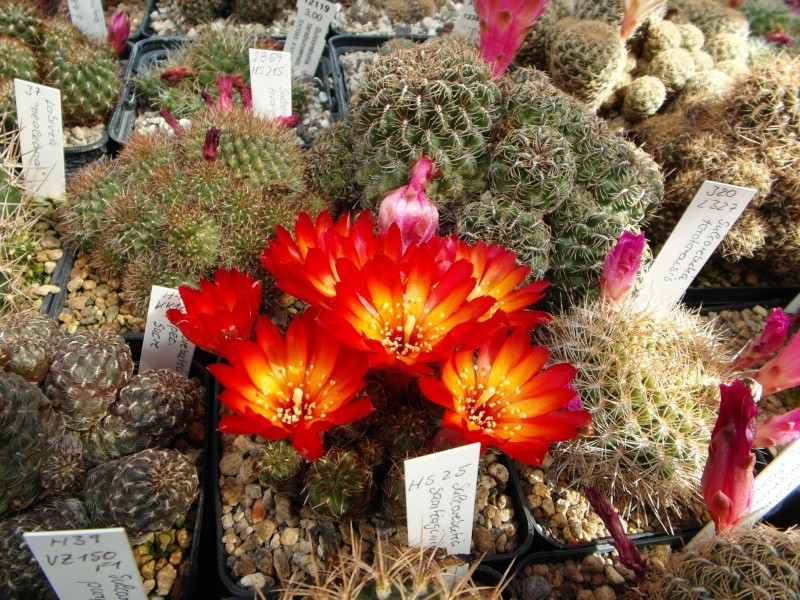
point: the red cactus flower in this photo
(766, 343)
(621, 266)
(167, 115)
(635, 12)
(727, 481)
(503, 27)
(629, 554)
(173, 75)
(778, 430)
(119, 28)
(211, 144)
(783, 371)
(410, 209)
(220, 310)
(780, 38)
(299, 386)
(225, 88)
(289, 122)
(500, 396)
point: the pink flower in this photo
(220, 310)
(225, 87)
(629, 554)
(503, 27)
(119, 28)
(727, 481)
(167, 115)
(778, 430)
(211, 144)
(635, 13)
(409, 207)
(289, 122)
(763, 346)
(621, 266)
(783, 371)
(780, 38)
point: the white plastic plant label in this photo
(88, 563)
(271, 81)
(707, 220)
(440, 498)
(164, 346)
(87, 15)
(771, 486)
(794, 305)
(306, 38)
(466, 23)
(40, 138)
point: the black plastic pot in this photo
(144, 30)
(716, 299)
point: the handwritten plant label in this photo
(164, 346)
(440, 498)
(714, 209)
(467, 21)
(40, 138)
(88, 563)
(794, 305)
(306, 37)
(771, 486)
(87, 15)
(271, 80)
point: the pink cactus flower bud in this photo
(727, 481)
(410, 209)
(173, 75)
(766, 343)
(171, 120)
(211, 144)
(503, 27)
(778, 430)
(119, 28)
(621, 266)
(207, 98)
(783, 371)
(635, 12)
(288, 122)
(629, 554)
(781, 38)
(225, 87)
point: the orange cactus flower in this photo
(299, 386)
(408, 312)
(497, 275)
(500, 396)
(220, 310)
(306, 268)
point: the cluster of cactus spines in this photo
(279, 465)
(339, 485)
(762, 562)
(405, 430)
(649, 375)
(746, 137)
(64, 471)
(333, 179)
(87, 370)
(143, 492)
(29, 341)
(259, 11)
(30, 429)
(202, 11)
(643, 97)
(20, 574)
(164, 213)
(55, 53)
(394, 572)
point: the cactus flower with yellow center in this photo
(298, 386)
(501, 396)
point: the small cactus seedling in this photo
(339, 485)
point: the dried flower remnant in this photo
(225, 88)
(727, 481)
(211, 143)
(174, 75)
(629, 554)
(410, 208)
(500, 395)
(171, 120)
(621, 266)
(221, 310)
(298, 386)
(766, 343)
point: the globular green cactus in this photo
(20, 574)
(339, 485)
(30, 341)
(585, 59)
(259, 11)
(643, 97)
(30, 430)
(20, 20)
(404, 430)
(17, 60)
(144, 492)
(727, 46)
(87, 370)
(762, 562)
(335, 179)
(279, 465)
(672, 67)
(111, 438)
(649, 375)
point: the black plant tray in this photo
(144, 30)
(149, 51)
(576, 554)
(715, 299)
(343, 44)
(53, 303)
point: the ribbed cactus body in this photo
(20, 20)
(111, 438)
(279, 465)
(64, 471)
(17, 60)
(339, 485)
(31, 340)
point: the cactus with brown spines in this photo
(31, 341)
(339, 485)
(144, 492)
(279, 466)
(202, 11)
(21, 576)
(649, 375)
(64, 471)
(259, 11)
(762, 562)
